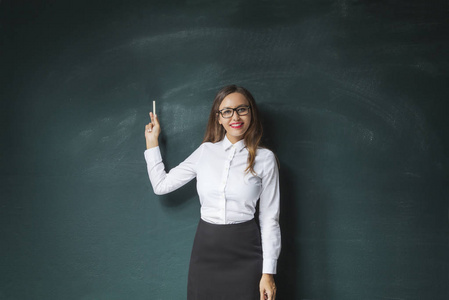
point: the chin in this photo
(238, 136)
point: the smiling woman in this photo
(235, 124)
(231, 258)
(228, 96)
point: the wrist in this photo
(152, 144)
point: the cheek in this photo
(223, 122)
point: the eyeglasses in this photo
(229, 112)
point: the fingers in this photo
(153, 122)
(264, 294)
(273, 292)
(155, 119)
(268, 294)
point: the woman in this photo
(231, 258)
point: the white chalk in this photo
(154, 107)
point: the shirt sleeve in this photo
(163, 182)
(269, 214)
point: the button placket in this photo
(224, 181)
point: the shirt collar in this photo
(227, 144)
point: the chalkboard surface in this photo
(354, 97)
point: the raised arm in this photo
(161, 181)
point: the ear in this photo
(218, 118)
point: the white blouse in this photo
(227, 194)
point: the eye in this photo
(226, 112)
(242, 110)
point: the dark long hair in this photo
(252, 137)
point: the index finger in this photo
(155, 119)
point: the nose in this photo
(236, 116)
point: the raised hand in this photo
(152, 131)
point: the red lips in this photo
(236, 125)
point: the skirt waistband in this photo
(233, 225)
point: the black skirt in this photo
(226, 262)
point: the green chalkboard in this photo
(354, 98)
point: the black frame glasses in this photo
(235, 110)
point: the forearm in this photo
(271, 246)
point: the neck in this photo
(233, 139)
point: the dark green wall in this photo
(354, 96)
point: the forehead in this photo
(233, 100)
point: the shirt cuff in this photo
(153, 155)
(269, 266)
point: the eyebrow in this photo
(234, 107)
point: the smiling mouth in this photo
(236, 125)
